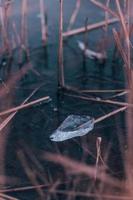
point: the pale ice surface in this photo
(73, 126)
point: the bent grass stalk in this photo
(74, 14)
(98, 147)
(7, 197)
(104, 7)
(46, 98)
(60, 53)
(10, 117)
(43, 22)
(81, 168)
(30, 172)
(97, 99)
(24, 23)
(89, 27)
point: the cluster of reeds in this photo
(84, 182)
(11, 37)
(11, 41)
(123, 42)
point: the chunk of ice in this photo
(73, 126)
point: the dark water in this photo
(28, 138)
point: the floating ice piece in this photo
(92, 54)
(73, 126)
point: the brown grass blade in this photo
(104, 7)
(10, 117)
(46, 98)
(80, 168)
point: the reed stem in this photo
(43, 22)
(60, 58)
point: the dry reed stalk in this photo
(119, 94)
(25, 188)
(90, 27)
(18, 42)
(105, 41)
(104, 7)
(93, 195)
(13, 42)
(24, 31)
(98, 148)
(5, 86)
(43, 22)
(102, 100)
(6, 121)
(3, 28)
(7, 16)
(126, 31)
(107, 16)
(10, 180)
(30, 172)
(8, 13)
(10, 117)
(80, 168)
(104, 91)
(110, 114)
(88, 152)
(74, 89)
(125, 6)
(16, 77)
(86, 42)
(33, 159)
(7, 197)
(18, 39)
(125, 106)
(120, 47)
(76, 182)
(125, 23)
(3, 137)
(125, 58)
(24, 23)
(31, 187)
(129, 116)
(53, 188)
(35, 163)
(60, 56)
(74, 14)
(17, 108)
(129, 153)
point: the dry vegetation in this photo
(77, 179)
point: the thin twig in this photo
(10, 117)
(78, 90)
(29, 172)
(60, 56)
(90, 27)
(110, 114)
(97, 99)
(74, 14)
(43, 22)
(80, 168)
(104, 7)
(7, 197)
(98, 147)
(46, 98)
(93, 195)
